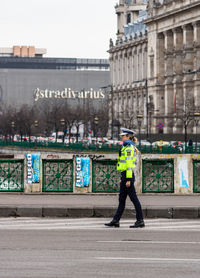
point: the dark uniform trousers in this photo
(130, 191)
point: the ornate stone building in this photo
(174, 62)
(167, 57)
(128, 63)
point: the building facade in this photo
(22, 51)
(155, 65)
(26, 77)
(174, 62)
(128, 64)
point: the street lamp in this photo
(62, 122)
(96, 121)
(116, 124)
(196, 121)
(12, 128)
(139, 120)
(36, 123)
(36, 126)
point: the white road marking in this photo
(148, 242)
(27, 223)
(149, 259)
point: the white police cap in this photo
(126, 131)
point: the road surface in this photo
(61, 248)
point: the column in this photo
(196, 27)
(134, 63)
(117, 70)
(120, 109)
(129, 66)
(159, 91)
(168, 53)
(188, 37)
(114, 70)
(144, 108)
(140, 62)
(178, 84)
(110, 113)
(111, 60)
(125, 67)
(188, 68)
(169, 89)
(161, 56)
(137, 63)
(121, 68)
(135, 101)
(144, 74)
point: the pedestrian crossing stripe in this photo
(96, 224)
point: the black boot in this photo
(113, 223)
(138, 224)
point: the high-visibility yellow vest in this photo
(126, 160)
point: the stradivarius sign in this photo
(67, 93)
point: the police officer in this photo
(126, 164)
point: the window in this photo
(128, 18)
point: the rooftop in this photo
(53, 63)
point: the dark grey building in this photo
(27, 80)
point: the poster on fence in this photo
(82, 172)
(33, 167)
(183, 172)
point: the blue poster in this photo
(183, 172)
(82, 172)
(33, 168)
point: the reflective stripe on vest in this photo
(129, 158)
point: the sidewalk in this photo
(96, 205)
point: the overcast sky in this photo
(66, 28)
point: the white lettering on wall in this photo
(78, 170)
(67, 93)
(29, 168)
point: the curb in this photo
(106, 212)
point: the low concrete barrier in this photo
(185, 179)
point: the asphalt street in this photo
(60, 248)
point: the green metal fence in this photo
(157, 176)
(101, 147)
(105, 178)
(196, 176)
(12, 175)
(57, 175)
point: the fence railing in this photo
(102, 147)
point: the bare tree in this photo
(51, 113)
(7, 121)
(25, 118)
(185, 115)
